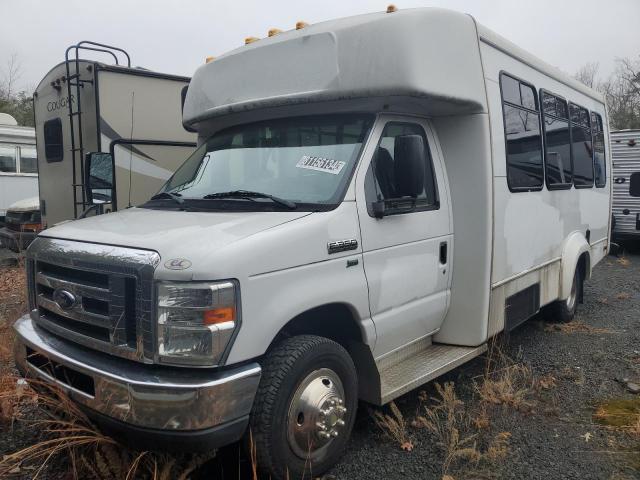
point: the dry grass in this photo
(623, 296)
(624, 261)
(67, 432)
(576, 326)
(394, 426)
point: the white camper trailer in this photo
(18, 165)
(124, 122)
(348, 232)
(625, 155)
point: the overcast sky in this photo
(175, 36)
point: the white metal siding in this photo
(626, 160)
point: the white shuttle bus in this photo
(372, 199)
(95, 119)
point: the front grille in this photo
(94, 295)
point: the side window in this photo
(7, 159)
(53, 150)
(28, 160)
(581, 147)
(522, 134)
(391, 177)
(557, 142)
(599, 162)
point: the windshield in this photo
(304, 160)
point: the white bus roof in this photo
(426, 59)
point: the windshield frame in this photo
(238, 204)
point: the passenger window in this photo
(522, 133)
(53, 151)
(7, 159)
(599, 162)
(557, 142)
(581, 147)
(388, 177)
(28, 160)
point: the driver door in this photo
(407, 253)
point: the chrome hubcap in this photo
(316, 414)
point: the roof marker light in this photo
(209, 59)
(392, 8)
(249, 40)
(274, 31)
(300, 25)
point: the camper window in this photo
(53, 150)
(28, 160)
(7, 159)
(581, 147)
(522, 134)
(599, 163)
(557, 142)
(386, 178)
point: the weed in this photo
(394, 426)
(576, 326)
(510, 385)
(623, 296)
(624, 261)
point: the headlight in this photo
(195, 321)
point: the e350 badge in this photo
(177, 264)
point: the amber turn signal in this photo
(219, 315)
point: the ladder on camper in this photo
(75, 80)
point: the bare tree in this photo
(587, 74)
(10, 76)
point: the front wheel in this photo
(305, 407)
(564, 310)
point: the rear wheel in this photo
(564, 310)
(305, 407)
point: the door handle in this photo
(443, 253)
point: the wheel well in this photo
(584, 266)
(335, 321)
(338, 322)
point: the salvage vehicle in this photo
(18, 165)
(372, 200)
(94, 118)
(22, 224)
(625, 156)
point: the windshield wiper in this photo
(171, 196)
(248, 194)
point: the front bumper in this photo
(176, 408)
(15, 241)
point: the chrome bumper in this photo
(172, 400)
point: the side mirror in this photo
(634, 184)
(183, 98)
(408, 158)
(99, 172)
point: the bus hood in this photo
(171, 233)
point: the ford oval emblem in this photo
(64, 298)
(177, 264)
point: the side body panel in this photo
(16, 185)
(532, 229)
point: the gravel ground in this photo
(555, 438)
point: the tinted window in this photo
(53, 140)
(523, 139)
(557, 142)
(599, 162)
(7, 158)
(381, 181)
(581, 147)
(28, 160)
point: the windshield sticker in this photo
(320, 164)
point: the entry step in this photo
(422, 367)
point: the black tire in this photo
(284, 370)
(564, 310)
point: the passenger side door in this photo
(406, 229)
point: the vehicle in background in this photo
(18, 164)
(89, 114)
(22, 224)
(347, 232)
(625, 156)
